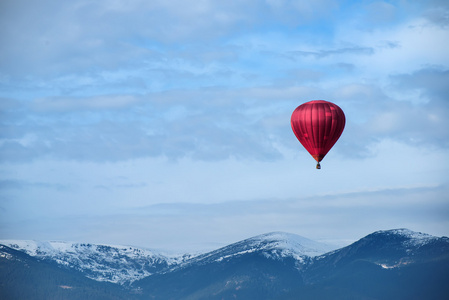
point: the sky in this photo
(166, 124)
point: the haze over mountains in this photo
(392, 264)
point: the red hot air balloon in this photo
(318, 125)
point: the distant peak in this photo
(277, 236)
(404, 232)
(404, 236)
(288, 244)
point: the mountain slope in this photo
(388, 249)
(257, 268)
(395, 264)
(274, 245)
(391, 264)
(26, 277)
(116, 264)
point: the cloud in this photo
(9, 184)
(99, 103)
(108, 82)
(92, 36)
(425, 122)
(86, 37)
(222, 123)
(380, 12)
(431, 82)
(438, 13)
(195, 226)
(297, 13)
(119, 116)
(325, 53)
(109, 128)
(411, 109)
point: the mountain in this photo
(391, 264)
(25, 277)
(256, 268)
(274, 245)
(394, 264)
(116, 264)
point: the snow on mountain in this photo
(282, 244)
(125, 264)
(274, 245)
(411, 238)
(389, 249)
(276, 265)
(117, 264)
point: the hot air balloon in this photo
(318, 124)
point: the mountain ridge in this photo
(276, 265)
(357, 271)
(275, 245)
(115, 264)
(81, 256)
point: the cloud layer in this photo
(114, 105)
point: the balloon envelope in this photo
(318, 124)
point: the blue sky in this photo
(166, 124)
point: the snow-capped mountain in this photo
(386, 255)
(389, 248)
(125, 264)
(116, 264)
(274, 245)
(388, 264)
(284, 266)
(406, 237)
